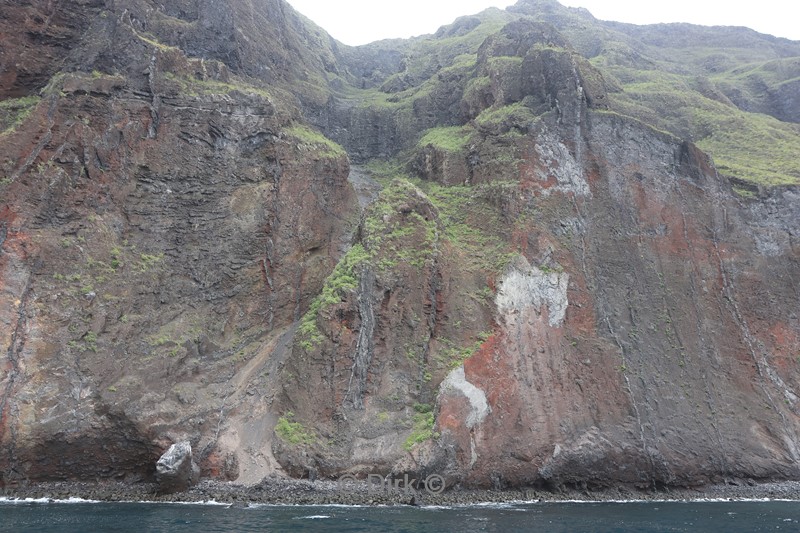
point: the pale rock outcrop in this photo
(176, 470)
(528, 286)
(479, 407)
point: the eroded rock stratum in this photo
(524, 285)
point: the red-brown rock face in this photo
(638, 359)
(160, 230)
(639, 333)
(37, 37)
(565, 297)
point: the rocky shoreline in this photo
(281, 491)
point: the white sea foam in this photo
(214, 503)
(517, 503)
(315, 506)
(13, 501)
(514, 504)
(73, 500)
(25, 500)
(480, 505)
(438, 507)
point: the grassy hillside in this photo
(717, 86)
(729, 90)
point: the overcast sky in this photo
(361, 21)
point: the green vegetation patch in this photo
(426, 54)
(316, 140)
(752, 147)
(749, 146)
(14, 111)
(450, 139)
(470, 222)
(197, 87)
(476, 87)
(90, 341)
(431, 60)
(516, 115)
(293, 432)
(462, 63)
(504, 65)
(769, 73)
(343, 279)
(171, 338)
(146, 262)
(465, 217)
(422, 427)
(152, 40)
(454, 356)
(744, 193)
(395, 238)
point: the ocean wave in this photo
(70, 500)
(480, 505)
(253, 505)
(519, 504)
(213, 503)
(74, 500)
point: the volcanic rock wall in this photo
(545, 293)
(162, 226)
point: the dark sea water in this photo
(542, 517)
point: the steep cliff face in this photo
(639, 326)
(612, 336)
(37, 40)
(164, 221)
(639, 362)
(526, 286)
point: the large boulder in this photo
(176, 471)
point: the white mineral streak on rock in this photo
(559, 163)
(480, 409)
(473, 454)
(526, 286)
